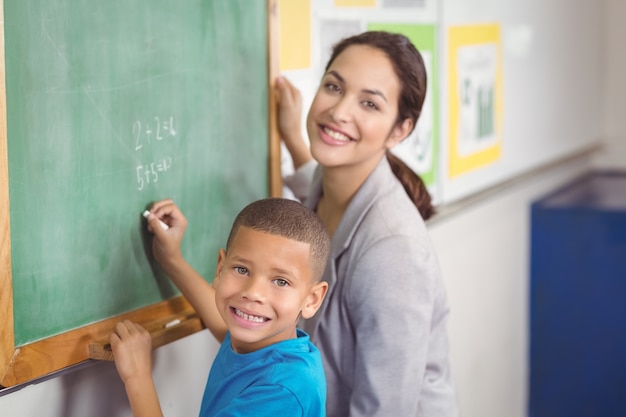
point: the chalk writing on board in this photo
(150, 133)
(156, 130)
(149, 173)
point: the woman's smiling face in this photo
(352, 120)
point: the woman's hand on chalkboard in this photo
(132, 347)
(289, 115)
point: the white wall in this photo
(614, 154)
(484, 253)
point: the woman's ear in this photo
(314, 299)
(399, 133)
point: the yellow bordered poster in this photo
(355, 3)
(474, 97)
(295, 34)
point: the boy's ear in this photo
(221, 255)
(314, 299)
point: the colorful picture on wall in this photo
(474, 97)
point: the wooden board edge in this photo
(34, 360)
(163, 331)
(273, 61)
(7, 335)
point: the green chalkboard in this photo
(112, 105)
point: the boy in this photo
(267, 278)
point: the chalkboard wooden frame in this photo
(21, 364)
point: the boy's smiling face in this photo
(262, 286)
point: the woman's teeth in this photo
(336, 135)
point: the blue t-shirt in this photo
(283, 379)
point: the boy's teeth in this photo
(336, 135)
(249, 317)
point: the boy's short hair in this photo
(290, 219)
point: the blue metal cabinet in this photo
(578, 299)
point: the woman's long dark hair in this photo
(409, 67)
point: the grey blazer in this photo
(382, 327)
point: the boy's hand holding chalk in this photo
(164, 226)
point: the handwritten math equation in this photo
(148, 134)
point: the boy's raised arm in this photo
(166, 249)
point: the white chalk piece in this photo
(172, 323)
(163, 225)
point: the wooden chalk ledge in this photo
(163, 331)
